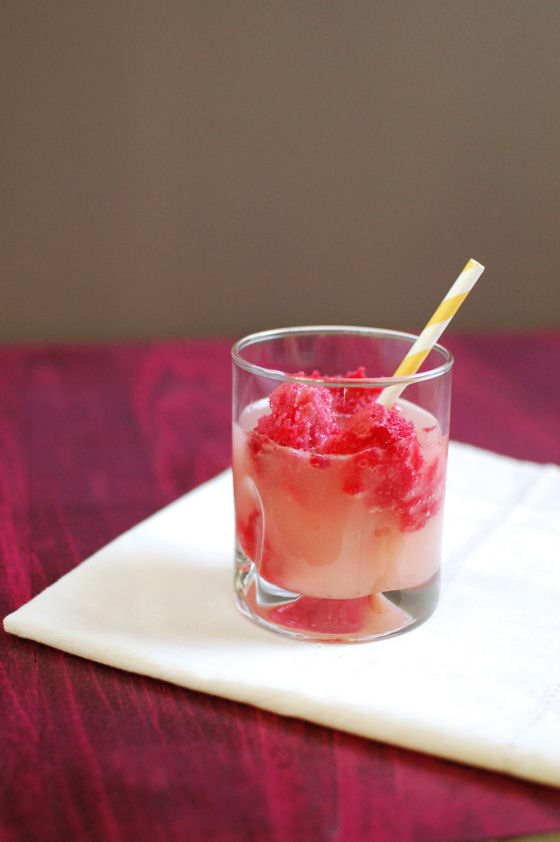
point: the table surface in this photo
(94, 438)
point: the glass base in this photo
(303, 617)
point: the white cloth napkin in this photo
(479, 682)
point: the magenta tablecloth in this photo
(94, 439)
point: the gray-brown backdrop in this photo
(221, 166)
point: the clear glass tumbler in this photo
(338, 498)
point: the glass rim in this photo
(311, 330)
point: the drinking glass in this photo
(338, 499)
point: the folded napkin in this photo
(479, 682)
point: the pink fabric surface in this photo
(92, 440)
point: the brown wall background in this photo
(183, 167)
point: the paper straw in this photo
(433, 330)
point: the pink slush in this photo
(346, 515)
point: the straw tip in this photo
(474, 264)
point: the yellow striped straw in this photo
(433, 330)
